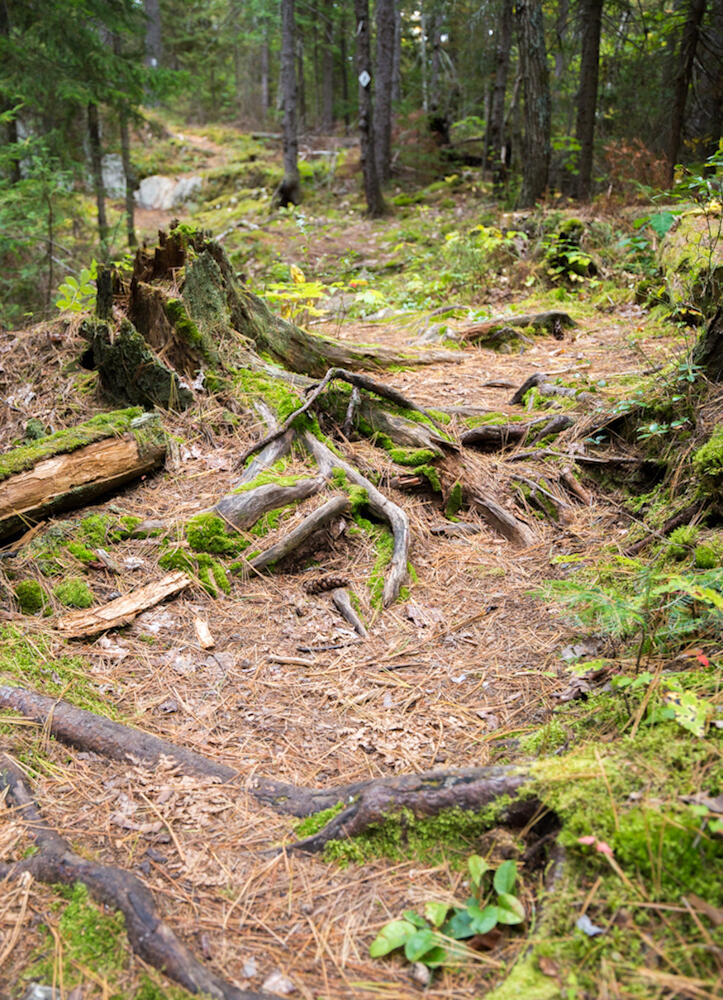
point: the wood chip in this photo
(205, 639)
(123, 609)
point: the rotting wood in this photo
(342, 602)
(149, 935)
(80, 624)
(297, 536)
(504, 523)
(493, 437)
(76, 478)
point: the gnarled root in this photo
(150, 937)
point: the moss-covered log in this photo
(73, 467)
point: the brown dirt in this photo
(475, 660)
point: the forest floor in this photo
(459, 673)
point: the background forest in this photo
(569, 98)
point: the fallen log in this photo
(73, 467)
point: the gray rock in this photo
(36, 991)
(165, 193)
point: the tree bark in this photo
(96, 161)
(327, 68)
(684, 72)
(154, 33)
(496, 130)
(397, 63)
(383, 88)
(372, 188)
(289, 192)
(591, 14)
(536, 83)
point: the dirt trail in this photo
(444, 678)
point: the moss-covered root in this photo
(245, 506)
(382, 506)
(149, 936)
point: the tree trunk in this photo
(497, 112)
(397, 64)
(372, 188)
(327, 68)
(591, 12)
(383, 87)
(300, 82)
(130, 178)
(435, 68)
(154, 34)
(289, 192)
(536, 83)
(265, 73)
(683, 74)
(72, 468)
(96, 161)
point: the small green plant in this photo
(78, 294)
(433, 939)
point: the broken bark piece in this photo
(487, 333)
(149, 935)
(342, 603)
(203, 634)
(74, 467)
(122, 610)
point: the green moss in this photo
(312, 824)
(35, 429)
(149, 989)
(709, 554)
(81, 552)
(708, 459)
(112, 424)
(125, 528)
(93, 530)
(412, 456)
(177, 558)
(31, 665)
(91, 939)
(682, 540)
(546, 739)
(74, 593)
(454, 500)
(526, 981)
(30, 596)
(209, 533)
(273, 391)
(450, 836)
(384, 546)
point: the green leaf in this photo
(477, 867)
(509, 909)
(392, 935)
(436, 913)
(689, 711)
(459, 925)
(483, 920)
(415, 919)
(505, 877)
(419, 943)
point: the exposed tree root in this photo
(315, 521)
(553, 322)
(244, 509)
(342, 602)
(544, 388)
(382, 506)
(150, 937)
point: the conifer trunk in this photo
(591, 14)
(372, 188)
(536, 84)
(289, 192)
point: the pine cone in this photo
(325, 583)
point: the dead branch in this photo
(149, 936)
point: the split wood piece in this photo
(149, 935)
(74, 479)
(241, 510)
(380, 505)
(122, 610)
(313, 522)
(545, 388)
(554, 322)
(342, 603)
(425, 795)
(88, 731)
(357, 379)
